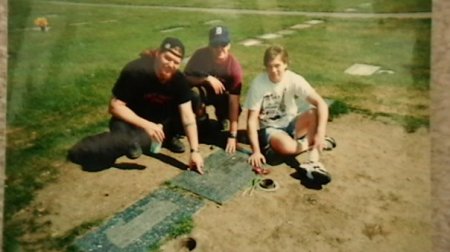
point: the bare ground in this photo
(379, 199)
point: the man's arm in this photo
(196, 80)
(215, 83)
(234, 112)
(233, 108)
(256, 159)
(190, 129)
(119, 109)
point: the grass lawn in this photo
(378, 6)
(60, 81)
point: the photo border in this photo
(3, 83)
(439, 125)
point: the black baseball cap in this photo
(173, 45)
(219, 36)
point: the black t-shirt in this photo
(141, 90)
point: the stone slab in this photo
(225, 175)
(385, 71)
(144, 224)
(286, 32)
(270, 36)
(314, 21)
(300, 26)
(361, 69)
(251, 42)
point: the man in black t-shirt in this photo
(151, 101)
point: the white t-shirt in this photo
(277, 102)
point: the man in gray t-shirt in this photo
(272, 103)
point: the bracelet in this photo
(194, 150)
(232, 135)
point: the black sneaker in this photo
(134, 151)
(175, 145)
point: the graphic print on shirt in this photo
(273, 106)
(158, 100)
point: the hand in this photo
(231, 145)
(216, 84)
(155, 132)
(196, 162)
(256, 159)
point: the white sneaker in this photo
(316, 171)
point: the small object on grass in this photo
(267, 184)
(42, 23)
(260, 170)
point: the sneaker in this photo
(330, 143)
(175, 145)
(317, 172)
(134, 151)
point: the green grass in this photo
(379, 6)
(59, 82)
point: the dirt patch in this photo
(379, 199)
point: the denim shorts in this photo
(265, 134)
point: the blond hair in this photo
(273, 51)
